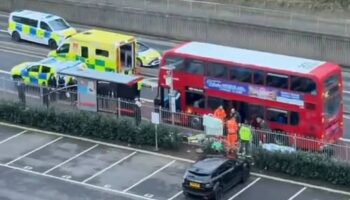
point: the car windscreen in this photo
(59, 24)
(142, 47)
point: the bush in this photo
(90, 124)
(304, 165)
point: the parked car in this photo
(147, 56)
(210, 177)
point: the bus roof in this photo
(35, 15)
(249, 57)
(105, 37)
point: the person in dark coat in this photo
(61, 84)
(21, 92)
(52, 82)
(137, 111)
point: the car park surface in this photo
(38, 165)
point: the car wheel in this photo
(187, 196)
(139, 63)
(218, 194)
(15, 36)
(52, 44)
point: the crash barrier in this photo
(240, 27)
(192, 125)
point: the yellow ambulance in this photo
(101, 50)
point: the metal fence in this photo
(192, 129)
(260, 16)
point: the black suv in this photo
(210, 177)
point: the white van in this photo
(39, 27)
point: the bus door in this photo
(165, 97)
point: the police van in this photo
(39, 27)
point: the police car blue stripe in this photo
(47, 34)
(19, 27)
(24, 73)
(32, 31)
(43, 76)
(34, 81)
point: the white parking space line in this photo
(109, 167)
(70, 159)
(176, 195)
(296, 194)
(76, 182)
(344, 140)
(169, 157)
(10, 138)
(37, 149)
(244, 189)
(147, 177)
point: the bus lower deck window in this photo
(195, 99)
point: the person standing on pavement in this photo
(232, 138)
(245, 135)
(236, 115)
(137, 111)
(220, 113)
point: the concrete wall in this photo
(309, 45)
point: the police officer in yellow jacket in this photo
(245, 135)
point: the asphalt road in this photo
(37, 165)
(12, 54)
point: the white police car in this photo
(39, 27)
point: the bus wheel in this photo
(195, 122)
(281, 138)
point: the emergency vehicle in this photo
(147, 56)
(38, 27)
(101, 50)
(39, 73)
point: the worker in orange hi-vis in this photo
(220, 113)
(232, 130)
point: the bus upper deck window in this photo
(301, 84)
(195, 67)
(277, 81)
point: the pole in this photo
(156, 136)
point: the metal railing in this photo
(244, 14)
(192, 129)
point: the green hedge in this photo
(89, 124)
(305, 165)
(301, 164)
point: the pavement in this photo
(43, 165)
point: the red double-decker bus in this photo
(294, 95)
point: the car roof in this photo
(35, 15)
(59, 65)
(207, 165)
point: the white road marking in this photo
(298, 193)
(70, 159)
(301, 184)
(76, 182)
(346, 92)
(109, 167)
(4, 72)
(147, 177)
(37, 149)
(10, 138)
(176, 195)
(344, 140)
(3, 31)
(20, 53)
(244, 189)
(165, 156)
